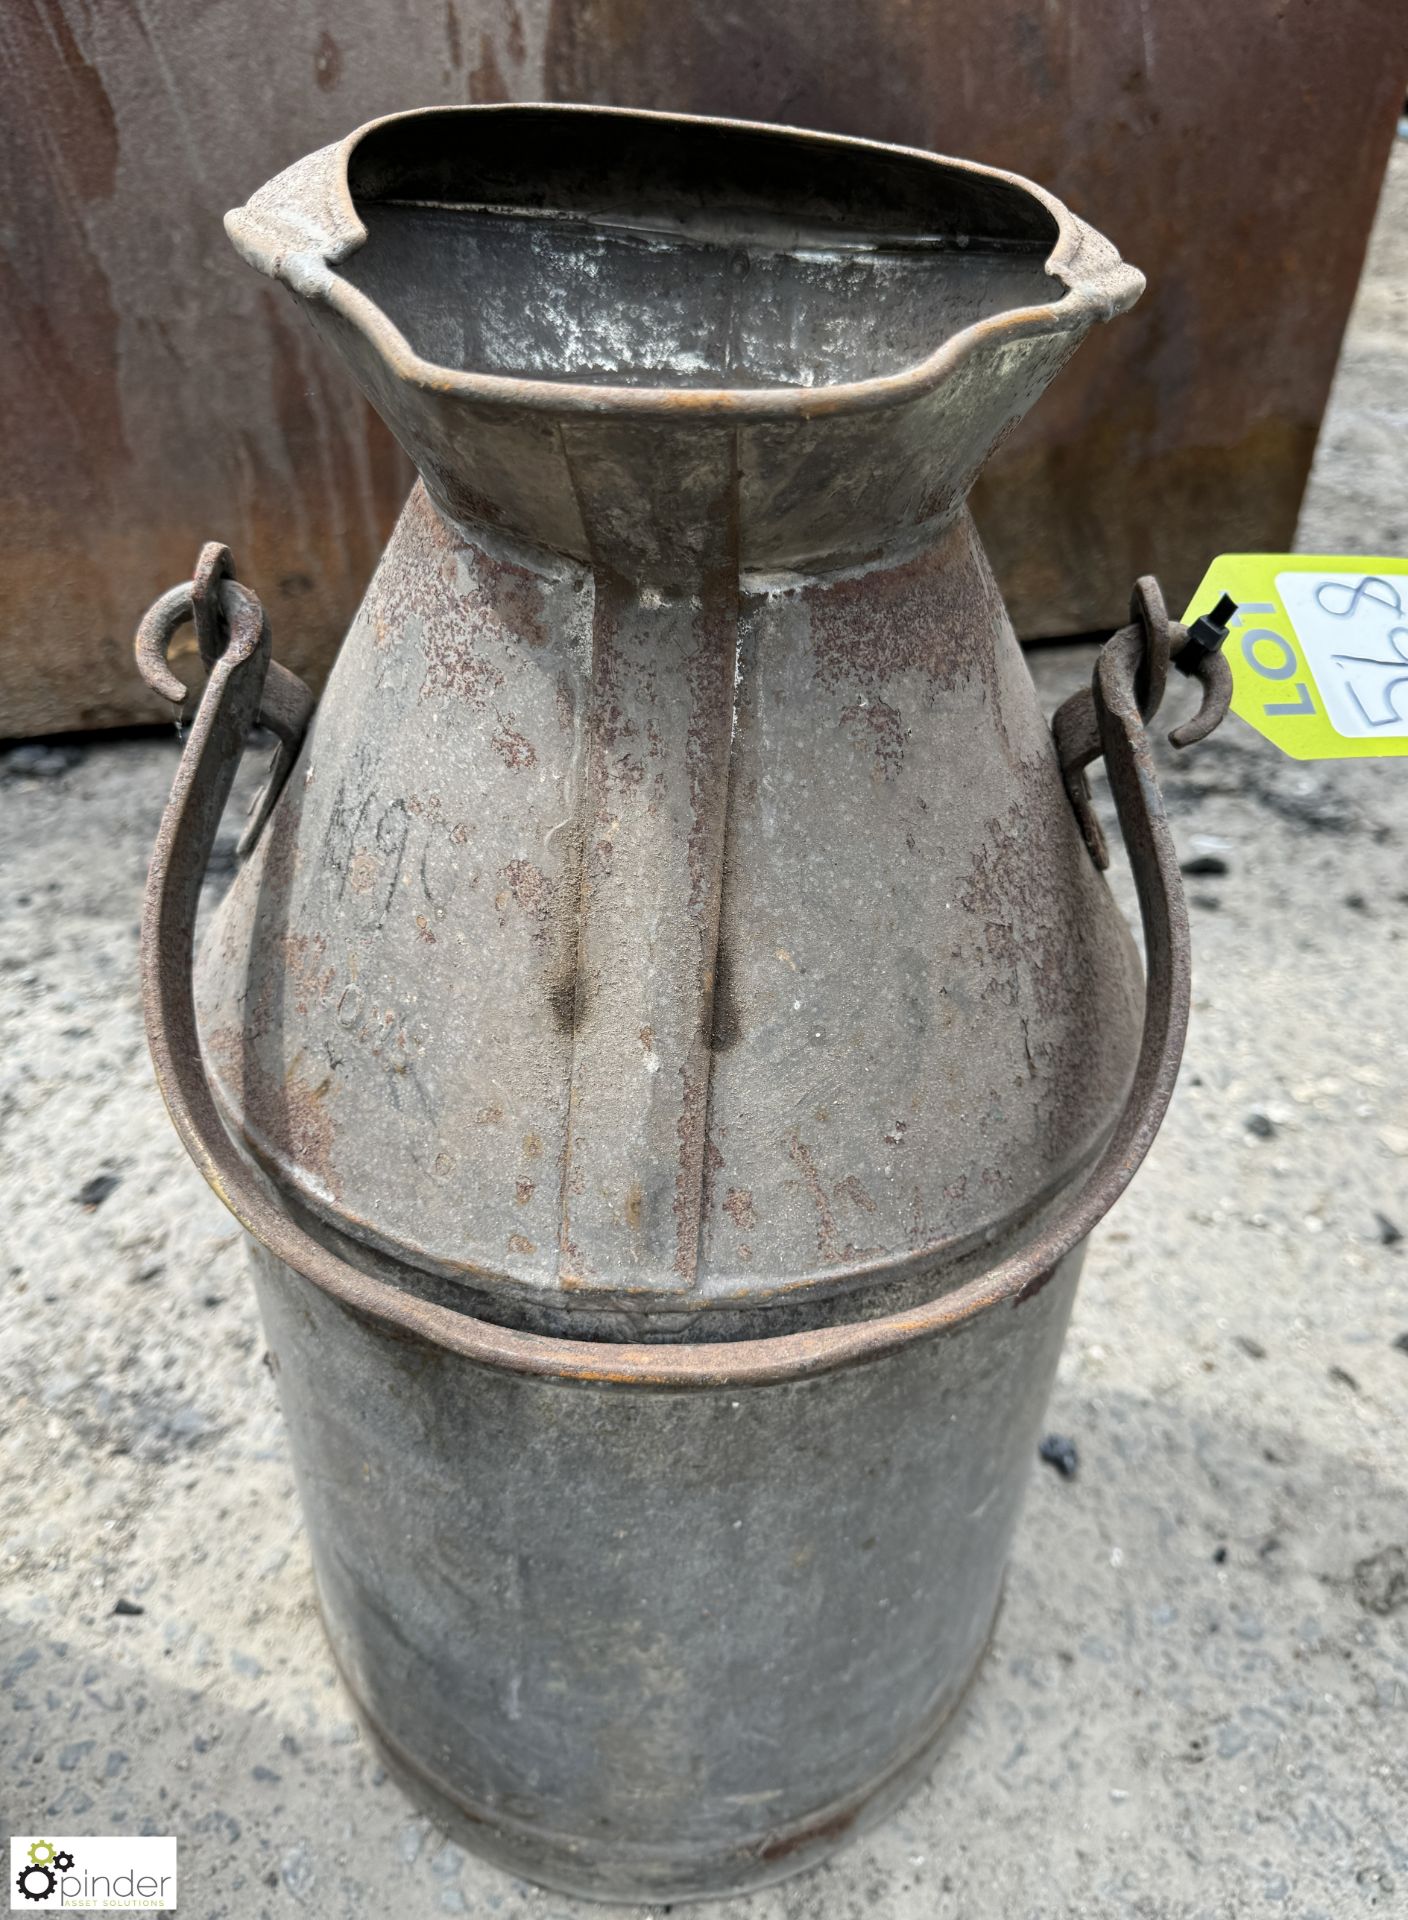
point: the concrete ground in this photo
(1197, 1701)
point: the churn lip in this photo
(289, 246)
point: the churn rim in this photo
(304, 221)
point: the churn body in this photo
(648, 1645)
(674, 948)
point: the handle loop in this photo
(1126, 677)
(216, 602)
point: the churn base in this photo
(590, 1870)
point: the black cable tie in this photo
(1205, 636)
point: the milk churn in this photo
(670, 1034)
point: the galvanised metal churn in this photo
(669, 1036)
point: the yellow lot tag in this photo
(1318, 648)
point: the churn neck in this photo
(552, 306)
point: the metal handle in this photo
(1075, 726)
(216, 602)
(203, 780)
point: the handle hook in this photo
(227, 616)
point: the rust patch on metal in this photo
(327, 63)
(855, 1193)
(878, 729)
(513, 747)
(454, 667)
(486, 81)
(468, 604)
(831, 1827)
(688, 1203)
(924, 622)
(713, 1167)
(531, 891)
(285, 1118)
(738, 1205)
(517, 595)
(1021, 901)
(828, 1240)
(303, 958)
(1034, 1286)
(826, 1231)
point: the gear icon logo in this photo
(36, 1882)
(39, 1879)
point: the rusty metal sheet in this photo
(152, 390)
(154, 393)
(1233, 153)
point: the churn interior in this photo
(633, 250)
